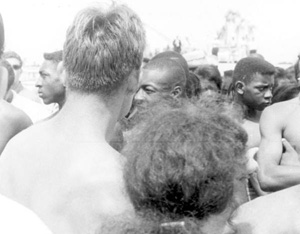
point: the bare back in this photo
(72, 184)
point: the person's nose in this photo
(38, 83)
(140, 95)
(268, 94)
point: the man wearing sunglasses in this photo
(16, 62)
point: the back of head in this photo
(56, 56)
(183, 162)
(12, 54)
(174, 56)
(193, 86)
(102, 48)
(249, 66)
(210, 73)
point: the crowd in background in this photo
(113, 142)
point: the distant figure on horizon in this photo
(177, 45)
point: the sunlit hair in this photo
(184, 160)
(249, 66)
(12, 54)
(102, 48)
(56, 56)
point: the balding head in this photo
(174, 56)
(159, 78)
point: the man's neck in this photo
(218, 224)
(252, 115)
(91, 117)
(249, 113)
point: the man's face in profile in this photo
(49, 84)
(153, 84)
(258, 92)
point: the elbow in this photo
(267, 182)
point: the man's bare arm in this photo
(272, 175)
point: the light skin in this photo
(12, 119)
(276, 213)
(78, 182)
(16, 65)
(50, 85)
(17, 85)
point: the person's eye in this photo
(149, 91)
(261, 89)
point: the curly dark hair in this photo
(183, 162)
(210, 73)
(193, 86)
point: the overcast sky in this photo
(36, 26)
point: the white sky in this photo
(33, 27)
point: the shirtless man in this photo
(279, 121)
(67, 173)
(253, 80)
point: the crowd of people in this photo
(146, 145)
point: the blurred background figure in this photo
(210, 78)
(16, 63)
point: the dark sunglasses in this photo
(16, 67)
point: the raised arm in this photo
(272, 175)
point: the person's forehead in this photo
(48, 65)
(262, 78)
(156, 77)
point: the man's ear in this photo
(239, 87)
(176, 92)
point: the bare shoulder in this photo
(283, 108)
(25, 139)
(99, 186)
(274, 213)
(13, 116)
